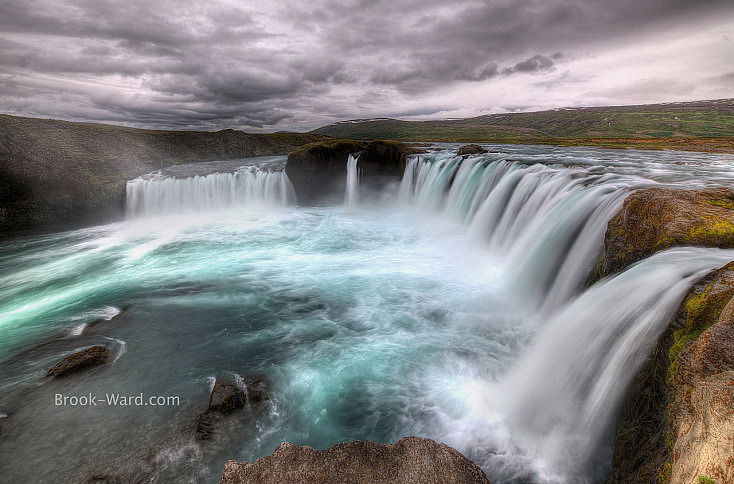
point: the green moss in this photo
(705, 480)
(665, 472)
(715, 227)
(720, 202)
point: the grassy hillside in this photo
(61, 173)
(651, 126)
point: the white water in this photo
(458, 313)
(351, 192)
(249, 186)
(563, 396)
(545, 225)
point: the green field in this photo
(674, 125)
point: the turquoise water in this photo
(419, 316)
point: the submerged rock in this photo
(409, 460)
(471, 150)
(658, 218)
(87, 358)
(226, 397)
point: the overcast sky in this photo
(296, 65)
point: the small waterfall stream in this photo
(351, 192)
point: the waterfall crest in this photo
(159, 195)
(545, 224)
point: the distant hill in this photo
(654, 125)
(58, 173)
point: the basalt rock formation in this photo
(658, 218)
(87, 358)
(57, 174)
(409, 460)
(318, 171)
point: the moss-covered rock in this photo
(657, 218)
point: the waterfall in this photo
(351, 192)
(563, 396)
(545, 224)
(157, 195)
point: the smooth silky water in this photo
(456, 311)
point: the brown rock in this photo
(471, 150)
(93, 356)
(410, 460)
(702, 413)
(658, 218)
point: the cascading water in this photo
(351, 193)
(563, 396)
(544, 224)
(160, 195)
(458, 313)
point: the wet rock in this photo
(471, 150)
(318, 171)
(257, 388)
(227, 397)
(410, 460)
(87, 358)
(658, 218)
(386, 156)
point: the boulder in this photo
(87, 358)
(409, 460)
(226, 397)
(659, 218)
(471, 150)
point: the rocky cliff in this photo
(678, 422)
(58, 174)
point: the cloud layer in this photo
(295, 65)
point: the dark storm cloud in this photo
(227, 63)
